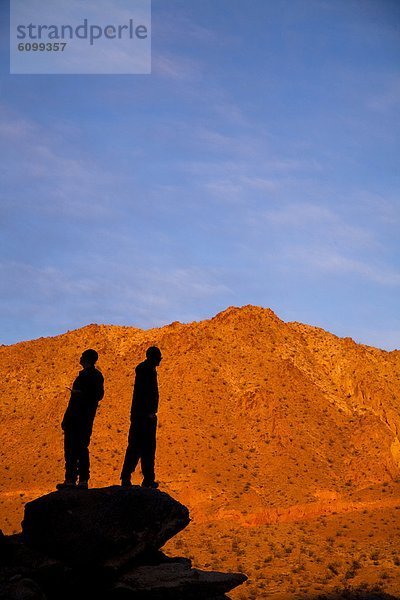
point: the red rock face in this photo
(257, 417)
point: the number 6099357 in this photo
(42, 46)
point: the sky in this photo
(256, 164)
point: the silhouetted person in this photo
(142, 432)
(86, 393)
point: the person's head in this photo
(89, 358)
(153, 355)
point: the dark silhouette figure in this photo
(142, 432)
(86, 393)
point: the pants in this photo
(76, 452)
(141, 445)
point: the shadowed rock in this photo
(90, 526)
(22, 589)
(172, 581)
(104, 544)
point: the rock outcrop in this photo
(103, 544)
(105, 523)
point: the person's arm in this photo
(100, 387)
(152, 394)
(71, 409)
(74, 391)
(137, 396)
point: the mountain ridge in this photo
(225, 313)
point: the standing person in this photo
(86, 393)
(142, 432)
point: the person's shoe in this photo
(66, 485)
(82, 485)
(150, 484)
(126, 483)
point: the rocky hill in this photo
(261, 422)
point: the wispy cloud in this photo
(323, 261)
(63, 182)
(318, 221)
(378, 208)
(15, 129)
(106, 292)
(176, 67)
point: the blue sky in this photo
(257, 164)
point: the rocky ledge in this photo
(103, 544)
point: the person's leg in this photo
(149, 452)
(71, 461)
(83, 457)
(132, 453)
(71, 457)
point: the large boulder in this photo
(84, 527)
(104, 544)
